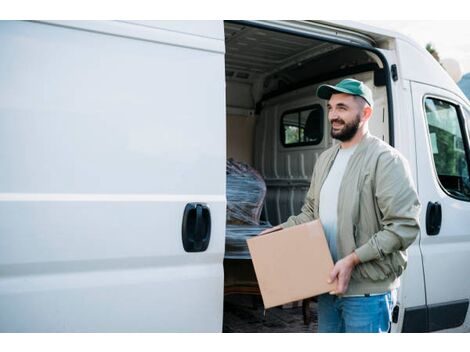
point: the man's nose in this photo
(332, 115)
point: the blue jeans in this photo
(355, 314)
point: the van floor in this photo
(245, 314)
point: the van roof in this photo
(376, 33)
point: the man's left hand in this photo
(342, 272)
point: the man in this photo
(364, 196)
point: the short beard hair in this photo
(348, 131)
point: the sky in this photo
(451, 39)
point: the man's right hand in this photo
(272, 229)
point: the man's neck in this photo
(355, 140)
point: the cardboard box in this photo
(292, 264)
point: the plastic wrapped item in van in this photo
(246, 191)
(236, 236)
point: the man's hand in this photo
(272, 229)
(342, 271)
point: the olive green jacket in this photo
(378, 212)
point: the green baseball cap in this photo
(348, 86)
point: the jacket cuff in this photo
(289, 222)
(286, 224)
(366, 253)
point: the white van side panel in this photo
(208, 29)
(189, 34)
(416, 64)
(446, 254)
(91, 113)
(411, 293)
(103, 141)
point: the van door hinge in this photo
(394, 70)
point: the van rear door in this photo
(442, 147)
(108, 130)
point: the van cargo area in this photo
(277, 128)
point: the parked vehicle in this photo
(114, 137)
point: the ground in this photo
(245, 314)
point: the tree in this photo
(432, 50)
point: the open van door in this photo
(442, 148)
(112, 190)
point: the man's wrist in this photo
(354, 259)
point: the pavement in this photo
(244, 313)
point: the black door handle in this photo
(196, 227)
(433, 218)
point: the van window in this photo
(303, 126)
(448, 148)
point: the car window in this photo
(449, 145)
(303, 126)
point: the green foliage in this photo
(292, 134)
(432, 50)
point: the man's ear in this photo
(366, 113)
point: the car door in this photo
(112, 189)
(441, 129)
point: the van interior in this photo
(278, 127)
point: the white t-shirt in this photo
(329, 198)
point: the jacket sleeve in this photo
(399, 205)
(307, 213)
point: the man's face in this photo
(344, 113)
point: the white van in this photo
(114, 138)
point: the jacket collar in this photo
(363, 143)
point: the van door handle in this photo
(433, 218)
(196, 227)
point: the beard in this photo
(348, 131)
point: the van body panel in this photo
(445, 255)
(411, 293)
(89, 87)
(210, 29)
(99, 158)
(203, 35)
(416, 64)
